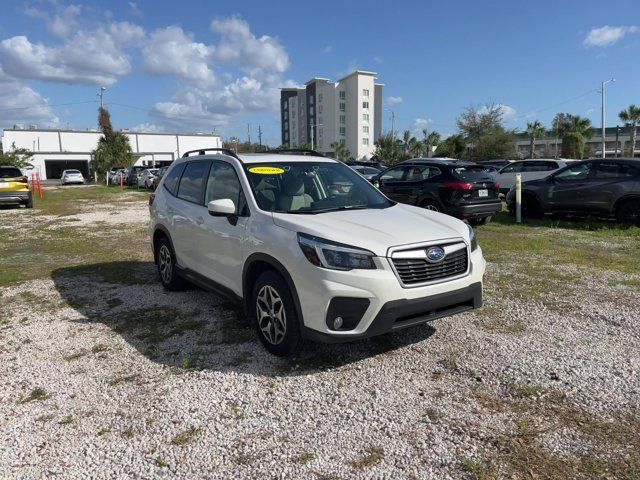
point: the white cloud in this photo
(393, 100)
(327, 49)
(95, 57)
(420, 123)
(607, 35)
(239, 47)
(148, 127)
(172, 51)
(134, 9)
(508, 113)
(21, 104)
(60, 21)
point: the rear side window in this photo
(190, 188)
(10, 172)
(171, 182)
(614, 170)
(539, 166)
(513, 168)
(472, 172)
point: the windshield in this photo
(311, 187)
(10, 172)
(72, 171)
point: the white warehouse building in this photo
(57, 150)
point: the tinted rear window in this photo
(190, 188)
(73, 171)
(10, 172)
(171, 181)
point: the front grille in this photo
(417, 270)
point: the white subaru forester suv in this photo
(310, 248)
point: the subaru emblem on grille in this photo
(435, 254)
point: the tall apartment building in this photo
(348, 111)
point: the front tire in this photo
(274, 315)
(531, 207)
(29, 203)
(431, 205)
(166, 262)
(629, 213)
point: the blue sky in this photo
(205, 65)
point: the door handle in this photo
(199, 220)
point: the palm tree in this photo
(430, 140)
(631, 116)
(534, 130)
(342, 152)
(578, 124)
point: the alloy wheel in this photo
(165, 264)
(431, 207)
(631, 214)
(272, 319)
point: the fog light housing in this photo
(337, 323)
(344, 313)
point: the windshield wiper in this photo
(343, 207)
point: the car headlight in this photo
(473, 241)
(327, 254)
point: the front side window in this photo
(223, 183)
(190, 188)
(575, 172)
(394, 173)
(311, 188)
(173, 177)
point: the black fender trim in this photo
(164, 230)
(208, 284)
(281, 269)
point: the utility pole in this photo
(101, 94)
(557, 133)
(603, 114)
(260, 136)
(617, 138)
(248, 135)
(314, 125)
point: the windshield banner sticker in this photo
(266, 170)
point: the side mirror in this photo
(221, 208)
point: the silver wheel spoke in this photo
(271, 315)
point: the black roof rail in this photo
(202, 151)
(299, 151)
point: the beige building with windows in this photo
(348, 111)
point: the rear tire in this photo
(166, 262)
(274, 315)
(531, 207)
(431, 205)
(479, 221)
(29, 203)
(629, 213)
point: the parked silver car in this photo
(145, 179)
(71, 176)
(533, 169)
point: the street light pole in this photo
(393, 124)
(314, 125)
(101, 94)
(603, 114)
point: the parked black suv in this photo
(460, 189)
(599, 186)
(131, 175)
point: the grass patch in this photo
(99, 347)
(122, 379)
(37, 394)
(160, 462)
(186, 437)
(66, 420)
(304, 458)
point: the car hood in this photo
(376, 230)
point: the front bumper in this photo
(479, 210)
(390, 306)
(14, 197)
(398, 314)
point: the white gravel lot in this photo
(141, 383)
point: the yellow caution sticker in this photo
(266, 170)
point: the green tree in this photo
(16, 157)
(386, 149)
(573, 145)
(341, 151)
(485, 134)
(581, 125)
(114, 149)
(631, 117)
(430, 140)
(454, 146)
(534, 130)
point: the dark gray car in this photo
(601, 187)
